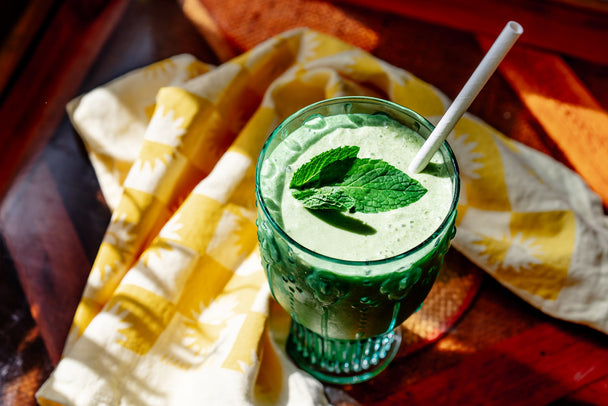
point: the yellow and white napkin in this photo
(176, 309)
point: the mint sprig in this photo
(338, 180)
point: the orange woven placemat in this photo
(246, 24)
(453, 291)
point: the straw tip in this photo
(515, 27)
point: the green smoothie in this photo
(349, 268)
(388, 233)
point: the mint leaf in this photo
(326, 198)
(377, 186)
(325, 168)
(335, 180)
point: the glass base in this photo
(341, 361)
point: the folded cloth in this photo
(176, 309)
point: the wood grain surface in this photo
(52, 214)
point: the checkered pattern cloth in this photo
(176, 309)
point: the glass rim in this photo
(336, 100)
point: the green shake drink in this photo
(352, 243)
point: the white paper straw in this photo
(476, 82)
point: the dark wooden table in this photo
(52, 215)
